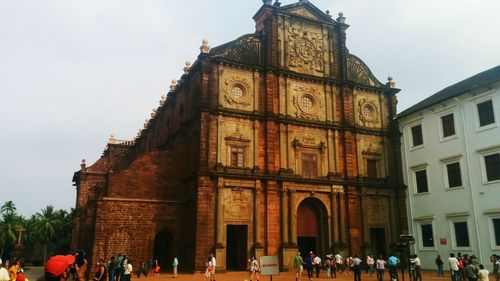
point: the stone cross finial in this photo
(162, 100)
(173, 85)
(390, 82)
(187, 67)
(112, 139)
(204, 48)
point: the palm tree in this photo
(9, 224)
(46, 225)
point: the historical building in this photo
(278, 140)
(451, 155)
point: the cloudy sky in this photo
(74, 72)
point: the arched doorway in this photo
(312, 227)
(163, 249)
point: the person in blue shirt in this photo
(393, 270)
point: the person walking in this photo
(393, 269)
(308, 264)
(214, 265)
(470, 271)
(254, 269)
(338, 261)
(317, 265)
(298, 265)
(175, 263)
(380, 268)
(439, 264)
(418, 272)
(453, 263)
(356, 266)
(483, 274)
(495, 259)
(370, 262)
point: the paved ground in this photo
(34, 272)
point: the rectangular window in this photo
(371, 168)
(416, 133)
(421, 180)
(237, 156)
(496, 231)
(309, 165)
(492, 165)
(448, 125)
(485, 112)
(454, 175)
(427, 235)
(461, 234)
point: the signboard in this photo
(442, 241)
(269, 265)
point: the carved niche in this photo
(305, 49)
(306, 101)
(237, 91)
(237, 204)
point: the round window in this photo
(237, 92)
(306, 102)
(368, 112)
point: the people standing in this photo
(101, 272)
(453, 263)
(14, 269)
(127, 271)
(329, 265)
(119, 267)
(370, 262)
(4, 273)
(214, 265)
(298, 265)
(483, 274)
(495, 259)
(111, 268)
(418, 272)
(439, 264)
(470, 271)
(175, 263)
(393, 269)
(308, 264)
(254, 269)
(380, 268)
(208, 270)
(338, 261)
(317, 265)
(356, 262)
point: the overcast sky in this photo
(74, 72)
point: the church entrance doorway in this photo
(236, 250)
(312, 227)
(163, 249)
(377, 239)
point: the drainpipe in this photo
(467, 152)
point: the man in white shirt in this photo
(418, 273)
(338, 261)
(4, 273)
(317, 265)
(453, 262)
(212, 260)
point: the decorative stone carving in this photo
(304, 13)
(237, 92)
(305, 49)
(359, 72)
(204, 48)
(368, 112)
(237, 204)
(245, 49)
(306, 102)
(237, 136)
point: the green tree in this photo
(9, 225)
(46, 226)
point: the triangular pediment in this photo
(307, 10)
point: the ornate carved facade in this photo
(277, 141)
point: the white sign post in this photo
(269, 265)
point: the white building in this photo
(451, 165)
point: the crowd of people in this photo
(466, 268)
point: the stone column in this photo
(257, 217)
(284, 217)
(335, 216)
(220, 214)
(364, 221)
(342, 218)
(292, 218)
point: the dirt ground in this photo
(35, 272)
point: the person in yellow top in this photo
(14, 269)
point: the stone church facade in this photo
(277, 141)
